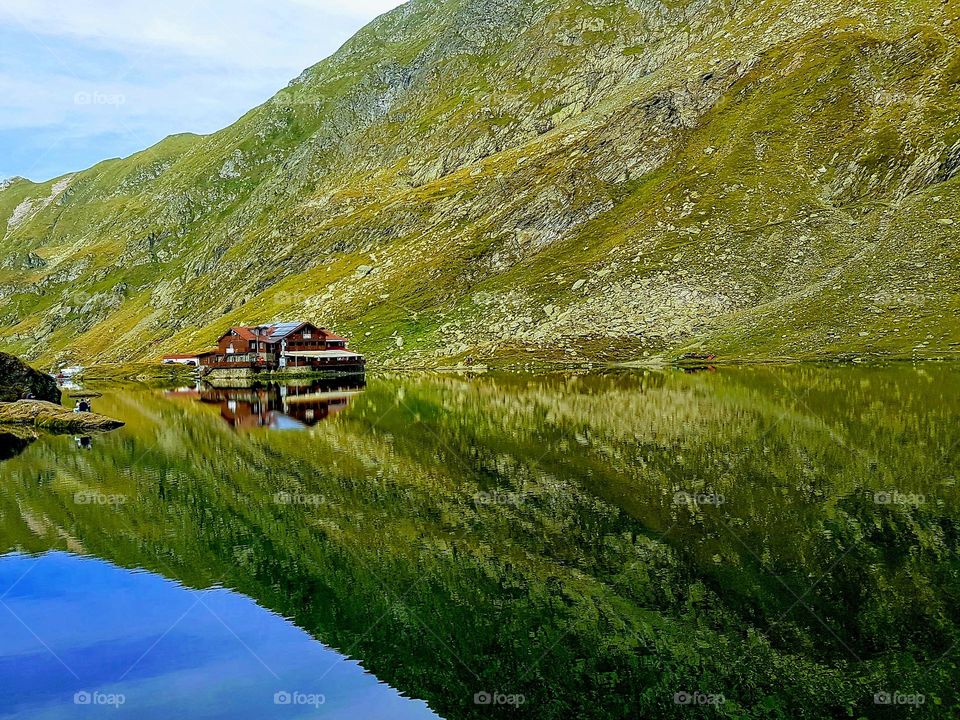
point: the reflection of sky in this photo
(173, 653)
(285, 422)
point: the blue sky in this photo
(84, 81)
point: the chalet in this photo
(281, 346)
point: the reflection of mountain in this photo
(279, 407)
(524, 535)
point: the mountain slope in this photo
(555, 179)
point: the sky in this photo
(83, 81)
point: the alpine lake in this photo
(736, 542)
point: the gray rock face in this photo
(17, 379)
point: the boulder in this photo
(17, 379)
(49, 416)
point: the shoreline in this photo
(54, 418)
(150, 372)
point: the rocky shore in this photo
(56, 418)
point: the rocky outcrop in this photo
(56, 418)
(18, 380)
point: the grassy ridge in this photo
(554, 180)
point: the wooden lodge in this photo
(288, 346)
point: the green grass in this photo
(789, 197)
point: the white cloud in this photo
(233, 32)
(178, 65)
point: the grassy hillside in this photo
(552, 179)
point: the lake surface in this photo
(747, 542)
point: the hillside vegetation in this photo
(552, 179)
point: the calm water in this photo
(756, 543)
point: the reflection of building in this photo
(279, 407)
(282, 346)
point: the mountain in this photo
(517, 179)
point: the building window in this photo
(307, 335)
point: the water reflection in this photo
(275, 406)
(14, 441)
(124, 643)
(618, 545)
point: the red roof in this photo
(244, 332)
(275, 333)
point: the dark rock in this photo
(35, 413)
(17, 379)
(14, 441)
